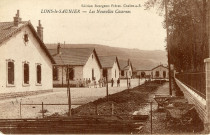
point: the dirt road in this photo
(11, 108)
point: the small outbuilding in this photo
(144, 73)
(110, 67)
(126, 69)
(160, 72)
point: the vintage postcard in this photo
(104, 66)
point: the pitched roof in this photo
(131, 64)
(123, 64)
(134, 69)
(127, 67)
(7, 30)
(73, 56)
(159, 66)
(108, 61)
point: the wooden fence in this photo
(75, 124)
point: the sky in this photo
(141, 29)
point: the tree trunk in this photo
(205, 43)
(208, 26)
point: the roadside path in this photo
(158, 117)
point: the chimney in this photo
(59, 49)
(40, 30)
(17, 19)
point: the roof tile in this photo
(7, 29)
(107, 61)
(72, 56)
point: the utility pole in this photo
(168, 48)
(68, 90)
(151, 116)
(127, 83)
(107, 89)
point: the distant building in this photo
(25, 63)
(110, 67)
(144, 73)
(84, 64)
(160, 72)
(134, 73)
(126, 69)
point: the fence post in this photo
(112, 108)
(42, 110)
(151, 115)
(127, 83)
(96, 109)
(107, 88)
(20, 109)
(207, 118)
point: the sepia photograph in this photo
(104, 67)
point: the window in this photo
(93, 78)
(55, 73)
(143, 74)
(122, 73)
(25, 73)
(164, 74)
(104, 72)
(157, 73)
(26, 37)
(10, 72)
(71, 74)
(38, 74)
